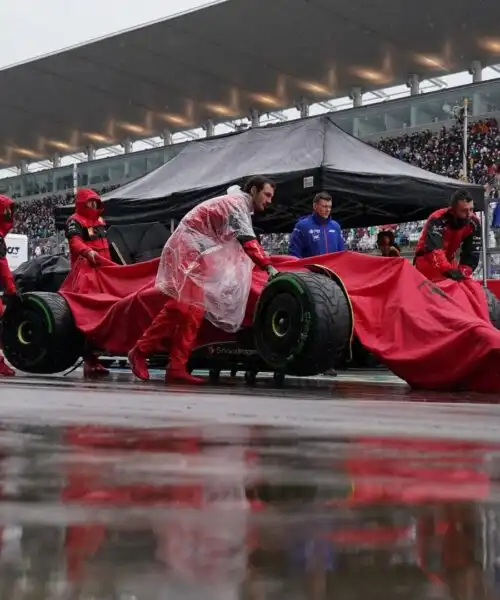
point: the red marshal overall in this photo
(87, 238)
(6, 223)
(6, 278)
(441, 239)
(86, 229)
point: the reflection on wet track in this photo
(99, 502)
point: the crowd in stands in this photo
(439, 152)
(35, 218)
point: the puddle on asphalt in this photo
(229, 513)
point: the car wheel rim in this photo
(280, 323)
(280, 327)
(25, 333)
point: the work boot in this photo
(182, 345)
(182, 376)
(138, 364)
(5, 370)
(93, 369)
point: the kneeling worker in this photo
(446, 231)
(204, 271)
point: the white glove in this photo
(92, 257)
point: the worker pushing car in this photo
(86, 233)
(205, 271)
(447, 231)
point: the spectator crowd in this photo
(439, 152)
(35, 218)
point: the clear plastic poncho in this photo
(203, 264)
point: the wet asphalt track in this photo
(234, 493)
(354, 403)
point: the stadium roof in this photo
(222, 61)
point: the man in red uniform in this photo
(6, 278)
(447, 231)
(86, 229)
(203, 263)
(87, 238)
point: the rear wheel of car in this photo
(302, 323)
(39, 335)
(493, 307)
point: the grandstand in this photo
(257, 86)
(384, 118)
(233, 59)
(432, 148)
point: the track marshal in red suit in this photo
(447, 231)
(86, 233)
(206, 272)
(86, 229)
(6, 278)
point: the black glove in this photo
(455, 274)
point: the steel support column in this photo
(413, 83)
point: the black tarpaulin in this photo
(42, 274)
(304, 157)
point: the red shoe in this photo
(183, 377)
(138, 364)
(5, 370)
(92, 368)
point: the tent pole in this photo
(465, 140)
(75, 178)
(484, 236)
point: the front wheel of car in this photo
(39, 334)
(303, 323)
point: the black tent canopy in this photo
(138, 242)
(303, 157)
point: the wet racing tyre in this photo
(302, 323)
(39, 335)
(493, 307)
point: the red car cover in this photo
(433, 337)
(494, 285)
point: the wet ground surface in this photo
(344, 488)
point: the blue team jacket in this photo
(313, 236)
(496, 216)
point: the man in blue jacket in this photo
(318, 233)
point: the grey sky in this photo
(32, 28)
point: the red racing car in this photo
(440, 337)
